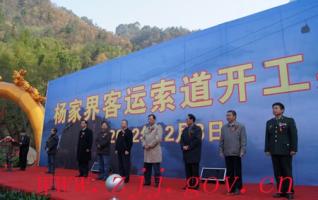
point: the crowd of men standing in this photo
(280, 143)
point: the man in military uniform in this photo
(281, 145)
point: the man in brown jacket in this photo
(103, 150)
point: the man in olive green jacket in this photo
(281, 144)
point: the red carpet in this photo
(35, 180)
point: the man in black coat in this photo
(24, 144)
(51, 150)
(281, 144)
(84, 146)
(123, 145)
(191, 142)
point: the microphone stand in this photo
(53, 188)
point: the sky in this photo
(191, 14)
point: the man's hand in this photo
(87, 150)
(186, 148)
(126, 153)
(147, 147)
(268, 153)
(116, 152)
(241, 154)
(292, 153)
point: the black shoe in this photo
(195, 188)
(279, 195)
(146, 184)
(230, 193)
(80, 175)
(237, 192)
(289, 196)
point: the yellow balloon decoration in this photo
(29, 100)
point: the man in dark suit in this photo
(24, 144)
(191, 140)
(123, 146)
(281, 144)
(84, 147)
(51, 150)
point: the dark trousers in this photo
(234, 169)
(9, 161)
(148, 172)
(51, 163)
(282, 166)
(192, 174)
(124, 166)
(83, 168)
(23, 158)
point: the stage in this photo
(34, 179)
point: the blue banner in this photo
(245, 65)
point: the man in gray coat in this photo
(151, 138)
(233, 148)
